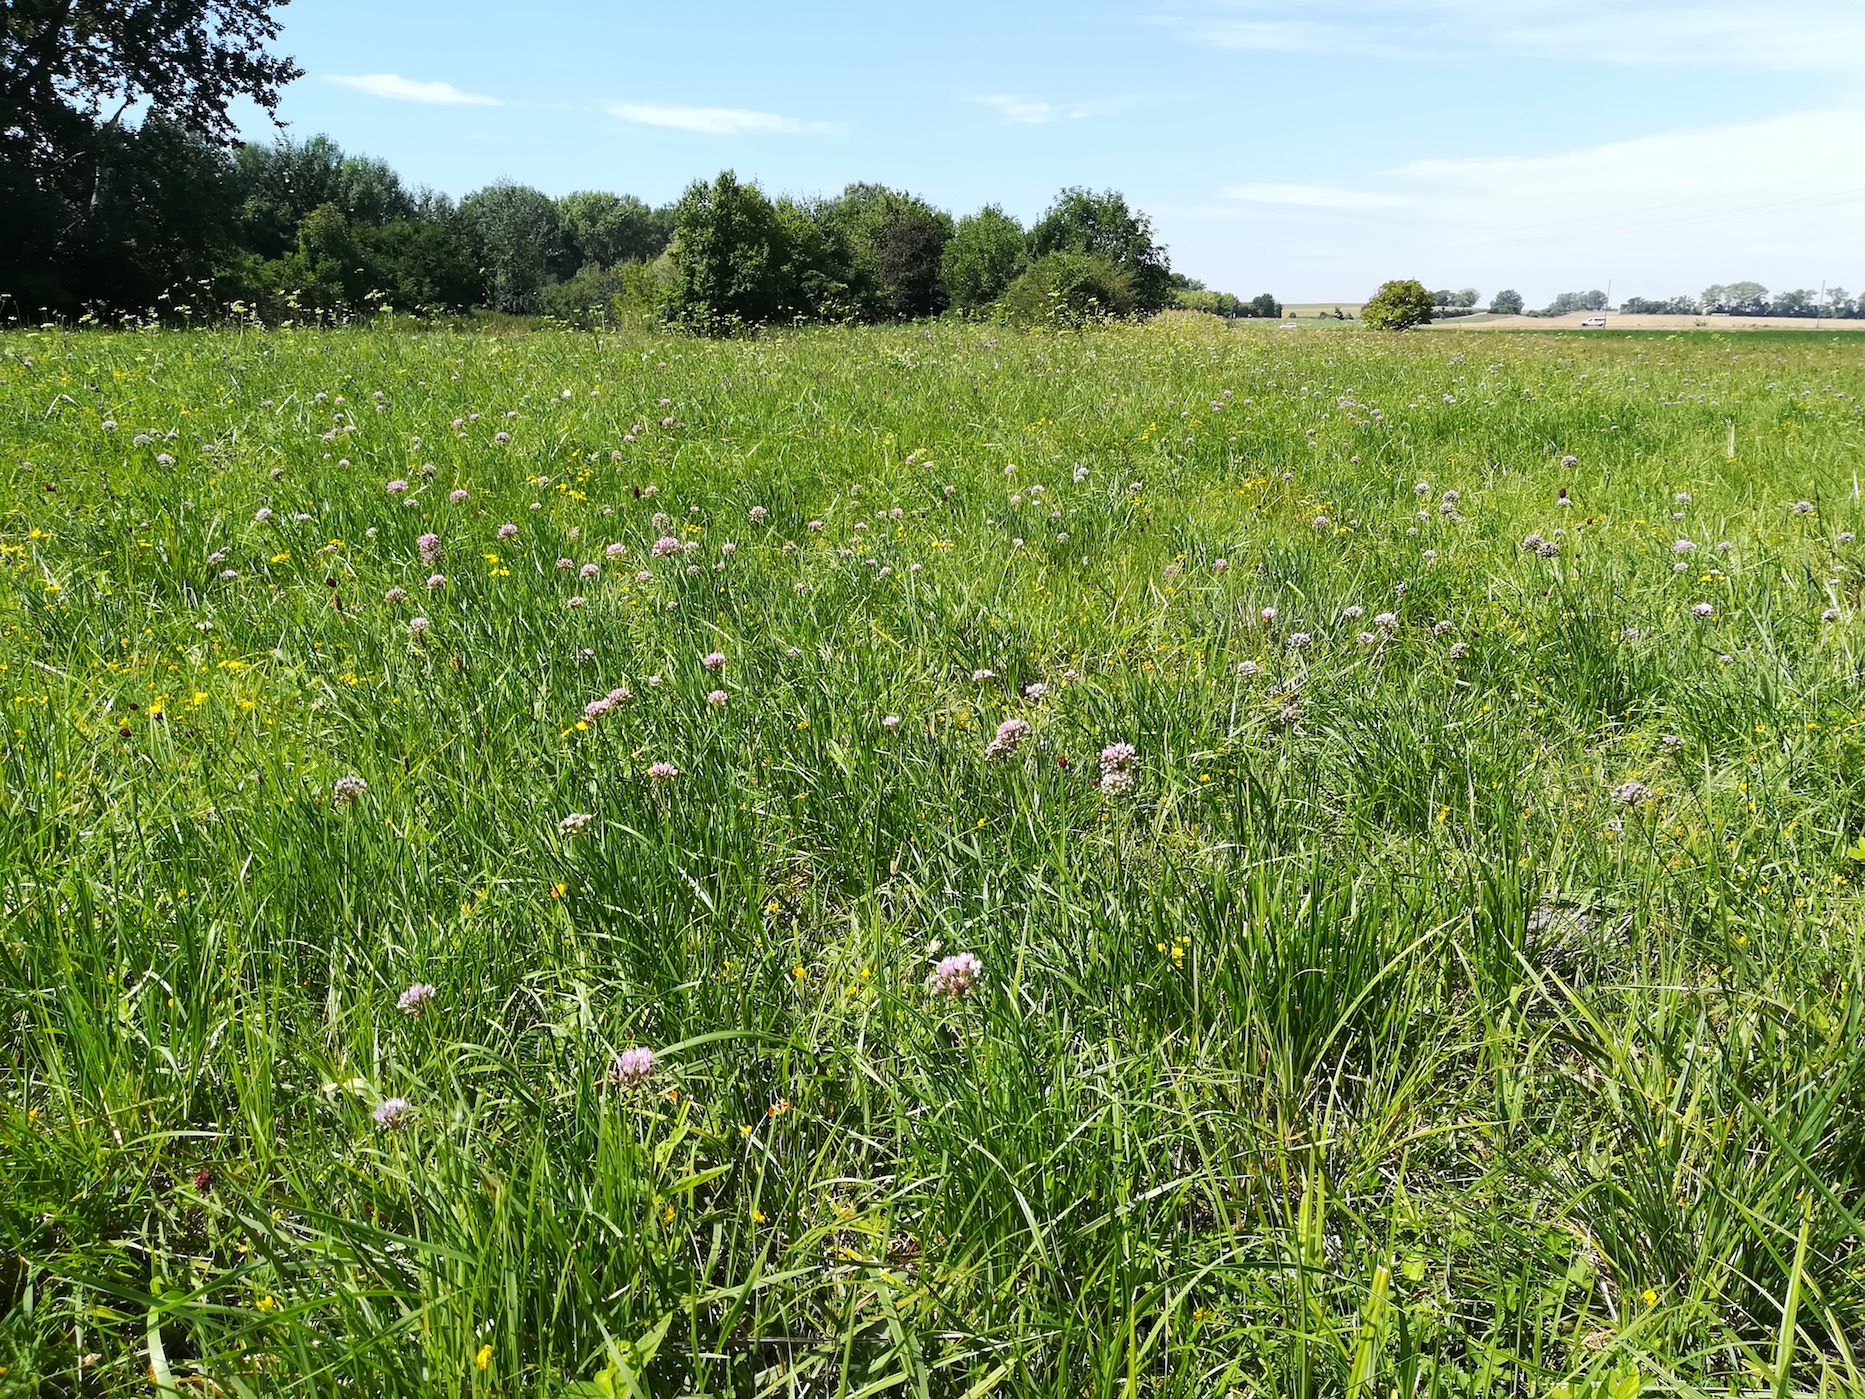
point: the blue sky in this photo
(1311, 148)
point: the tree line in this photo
(162, 219)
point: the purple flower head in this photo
(717, 698)
(393, 1114)
(395, 595)
(664, 546)
(456, 497)
(436, 581)
(633, 1067)
(347, 791)
(429, 545)
(589, 570)
(416, 999)
(663, 772)
(1009, 734)
(955, 976)
(417, 625)
(715, 660)
(397, 487)
(507, 532)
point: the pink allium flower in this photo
(615, 551)
(715, 660)
(393, 1114)
(417, 625)
(456, 497)
(1009, 734)
(1702, 609)
(507, 531)
(633, 1067)
(892, 721)
(576, 602)
(954, 976)
(347, 791)
(664, 546)
(397, 487)
(589, 570)
(429, 545)
(575, 823)
(436, 581)
(261, 515)
(663, 772)
(565, 565)
(416, 999)
(717, 698)
(395, 595)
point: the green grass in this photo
(1368, 1045)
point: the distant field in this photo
(1615, 321)
(931, 861)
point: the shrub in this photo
(1398, 306)
(1069, 289)
(1101, 225)
(729, 256)
(1506, 303)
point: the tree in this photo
(1506, 302)
(70, 70)
(730, 258)
(1399, 306)
(982, 258)
(1737, 299)
(1265, 307)
(515, 232)
(894, 242)
(609, 228)
(1101, 225)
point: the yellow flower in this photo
(266, 1304)
(484, 1359)
(1649, 1297)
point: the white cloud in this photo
(1022, 110)
(1785, 35)
(1316, 197)
(400, 89)
(715, 121)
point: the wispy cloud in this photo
(715, 121)
(1784, 35)
(1021, 109)
(1316, 196)
(399, 89)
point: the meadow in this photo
(1173, 860)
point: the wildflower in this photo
(1354, 613)
(1171, 570)
(576, 602)
(1298, 639)
(758, 512)
(1081, 473)
(596, 708)
(1269, 615)
(1321, 522)
(575, 823)
(1803, 507)
(978, 675)
(347, 791)
(892, 721)
(393, 1114)
(1440, 628)
(429, 546)
(1449, 498)
(1702, 610)
(615, 551)
(565, 565)
(436, 581)
(501, 437)
(1831, 614)
(716, 698)
(1459, 649)
(663, 772)
(727, 549)
(1386, 621)
(664, 546)
(1248, 668)
(815, 524)
(1366, 638)
(1118, 757)
(261, 515)
(633, 1067)
(1631, 793)
(417, 625)
(1723, 546)
(954, 976)
(1009, 734)
(1570, 461)
(1219, 565)
(507, 531)
(1845, 536)
(415, 1000)
(396, 487)
(1725, 660)
(164, 459)
(1423, 488)
(1683, 546)
(714, 660)
(1035, 690)
(456, 497)
(1671, 743)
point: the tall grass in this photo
(1383, 1039)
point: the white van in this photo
(1594, 321)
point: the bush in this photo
(1101, 225)
(1399, 306)
(1069, 289)
(985, 254)
(729, 258)
(1506, 303)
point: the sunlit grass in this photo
(1465, 1000)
